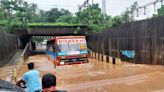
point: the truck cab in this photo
(67, 50)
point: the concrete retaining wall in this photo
(8, 47)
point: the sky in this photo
(113, 7)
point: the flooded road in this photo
(98, 76)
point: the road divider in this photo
(105, 58)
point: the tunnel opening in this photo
(39, 44)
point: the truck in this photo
(67, 50)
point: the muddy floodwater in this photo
(97, 76)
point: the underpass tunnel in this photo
(38, 44)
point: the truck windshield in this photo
(63, 47)
(74, 46)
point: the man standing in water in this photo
(31, 78)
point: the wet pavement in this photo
(97, 76)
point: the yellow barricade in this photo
(110, 60)
(15, 74)
(97, 55)
(104, 58)
(94, 55)
(100, 57)
(118, 61)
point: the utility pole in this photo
(104, 7)
(104, 10)
(92, 2)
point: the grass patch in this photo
(53, 24)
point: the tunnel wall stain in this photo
(145, 38)
(58, 30)
(8, 47)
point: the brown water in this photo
(102, 77)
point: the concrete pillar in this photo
(93, 55)
(97, 55)
(110, 60)
(118, 61)
(104, 58)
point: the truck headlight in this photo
(62, 63)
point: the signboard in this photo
(73, 52)
(70, 41)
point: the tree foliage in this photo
(20, 13)
(16, 13)
(67, 19)
(115, 21)
(160, 11)
(52, 15)
(128, 15)
(92, 16)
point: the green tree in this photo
(65, 12)
(115, 21)
(7, 6)
(67, 19)
(92, 16)
(41, 16)
(129, 14)
(53, 15)
(16, 13)
(160, 11)
(30, 11)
